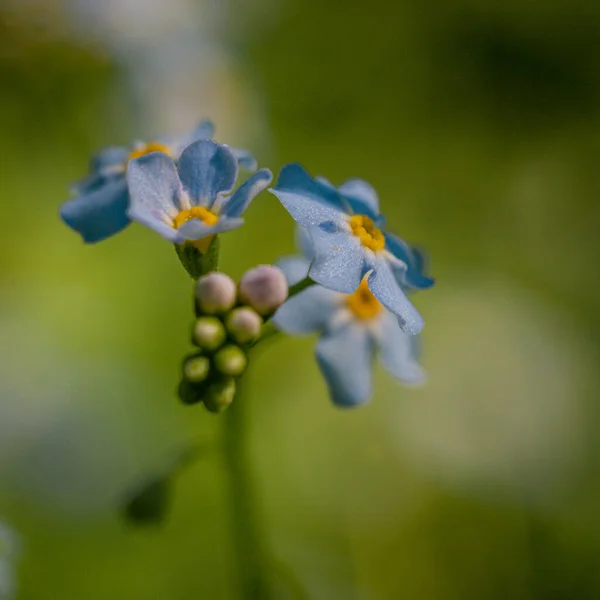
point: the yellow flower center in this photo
(196, 212)
(362, 302)
(364, 228)
(206, 216)
(147, 148)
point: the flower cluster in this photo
(101, 204)
(351, 284)
(353, 328)
(228, 322)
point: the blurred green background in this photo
(478, 124)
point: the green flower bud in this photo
(208, 333)
(230, 360)
(219, 395)
(215, 293)
(264, 288)
(196, 369)
(244, 324)
(190, 393)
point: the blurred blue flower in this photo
(99, 209)
(186, 201)
(350, 244)
(353, 329)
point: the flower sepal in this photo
(196, 262)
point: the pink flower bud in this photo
(264, 288)
(215, 293)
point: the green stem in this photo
(248, 544)
(301, 285)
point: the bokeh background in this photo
(478, 123)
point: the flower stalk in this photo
(251, 562)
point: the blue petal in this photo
(387, 290)
(305, 243)
(295, 268)
(155, 220)
(310, 310)
(105, 165)
(344, 356)
(245, 159)
(195, 229)
(339, 262)
(362, 197)
(112, 156)
(99, 214)
(237, 204)
(399, 248)
(207, 169)
(204, 131)
(324, 181)
(91, 183)
(154, 185)
(307, 201)
(396, 351)
(412, 276)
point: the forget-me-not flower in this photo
(353, 328)
(186, 201)
(350, 243)
(99, 209)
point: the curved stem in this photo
(301, 285)
(250, 554)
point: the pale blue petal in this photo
(207, 169)
(397, 351)
(99, 214)
(362, 197)
(307, 201)
(339, 262)
(324, 181)
(241, 198)
(110, 157)
(295, 268)
(387, 290)
(345, 356)
(245, 159)
(105, 165)
(195, 229)
(413, 275)
(92, 182)
(204, 131)
(154, 219)
(309, 311)
(154, 185)
(304, 242)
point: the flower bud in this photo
(196, 369)
(219, 395)
(244, 324)
(208, 333)
(190, 393)
(264, 288)
(230, 360)
(215, 293)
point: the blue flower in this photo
(353, 329)
(99, 209)
(185, 201)
(350, 243)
